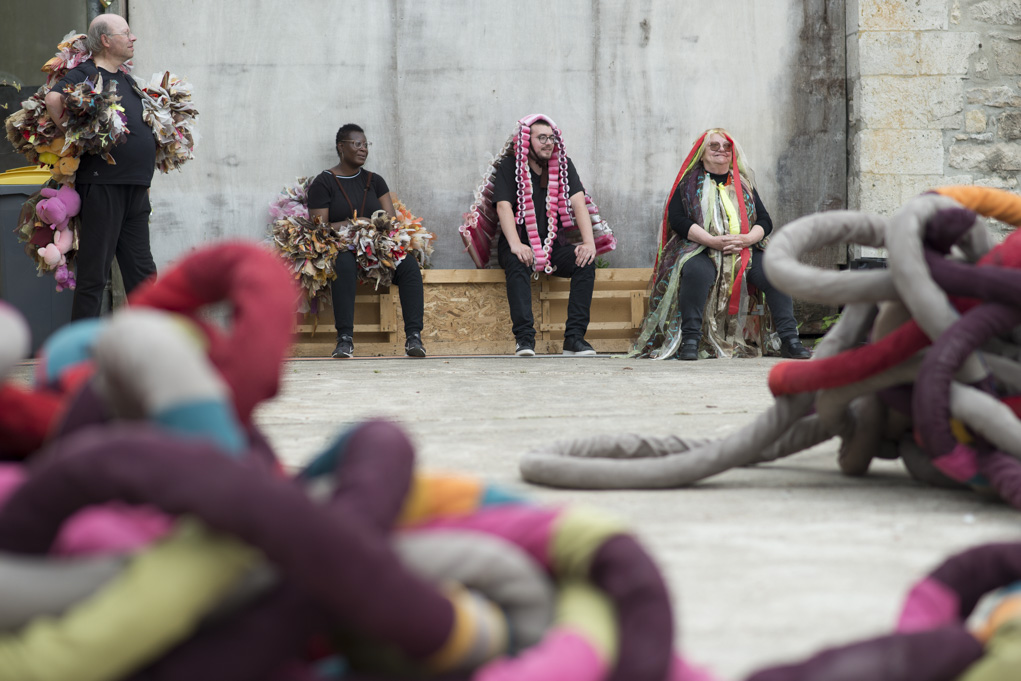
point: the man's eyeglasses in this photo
(357, 145)
(545, 139)
(126, 34)
(716, 146)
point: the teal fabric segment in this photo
(497, 496)
(212, 419)
(69, 346)
(328, 460)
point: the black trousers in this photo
(697, 279)
(114, 222)
(407, 277)
(519, 290)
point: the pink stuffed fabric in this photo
(111, 528)
(929, 605)
(59, 206)
(563, 654)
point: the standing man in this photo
(115, 197)
(534, 187)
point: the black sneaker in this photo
(689, 350)
(345, 347)
(793, 349)
(413, 346)
(525, 348)
(577, 347)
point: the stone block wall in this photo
(934, 97)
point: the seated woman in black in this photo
(710, 251)
(348, 190)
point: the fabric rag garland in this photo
(169, 111)
(95, 124)
(951, 413)
(481, 227)
(358, 560)
(379, 243)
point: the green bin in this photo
(45, 309)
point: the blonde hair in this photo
(747, 174)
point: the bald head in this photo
(110, 40)
(104, 25)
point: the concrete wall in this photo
(28, 40)
(934, 97)
(438, 85)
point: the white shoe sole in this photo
(583, 353)
(525, 352)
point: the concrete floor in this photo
(766, 564)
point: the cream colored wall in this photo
(934, 97)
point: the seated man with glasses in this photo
(710, 250)
(535, 189)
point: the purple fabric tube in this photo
(938, 655)
(931, 399)
(342, 563)
(947, 227)
(374, 475)
(629, 577)
(973, 573)
(1004, 474)
(990, 283)
(258, 643)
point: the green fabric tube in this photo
(156, 602)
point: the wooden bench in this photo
(466, 313)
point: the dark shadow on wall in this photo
(812, 171)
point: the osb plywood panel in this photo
(468, 312)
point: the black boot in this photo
(689, 350)
(793, 349)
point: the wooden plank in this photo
(637, 308)
(328, 329)
(463, 277)
(639, 275)
(593, 326)
(387, 316)
(544, 312)
(564, 295)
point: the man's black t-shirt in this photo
(325, 193)
(135, 157)
(505, 188)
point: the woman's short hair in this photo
(346, 130)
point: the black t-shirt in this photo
(505, 188)
(136, 156)
(324, 192)
(681, 223)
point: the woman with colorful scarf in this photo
(714, 232)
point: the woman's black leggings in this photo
(697, 279)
